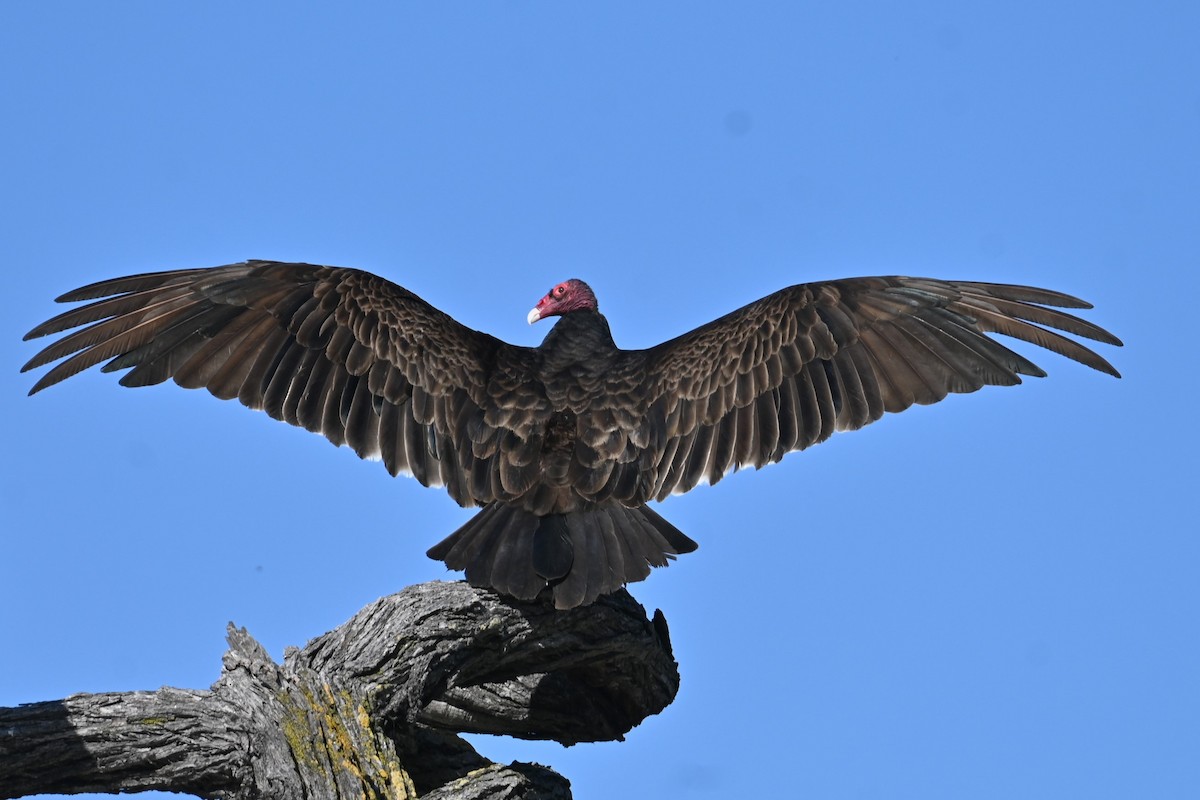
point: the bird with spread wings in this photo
(563, 445)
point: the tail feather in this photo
(614, 552)
(579, 555)
(552, 551)
(572, 590)
(509, 554)
(679, 542)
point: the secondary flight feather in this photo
(563, 445)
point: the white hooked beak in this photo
(534, 315)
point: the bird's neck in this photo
(578, 336)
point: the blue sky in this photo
(992, 598)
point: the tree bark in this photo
(369, 710)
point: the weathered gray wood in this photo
(368, 710)
(175, 739)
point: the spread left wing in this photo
(338, 351)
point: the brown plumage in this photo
(563, 444)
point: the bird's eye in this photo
(559, 290)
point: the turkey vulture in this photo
(564, 444)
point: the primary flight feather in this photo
(564, 444)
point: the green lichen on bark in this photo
(331, 728)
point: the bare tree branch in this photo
(368, 710)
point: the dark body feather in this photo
(564, 444)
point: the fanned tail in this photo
(580, 555)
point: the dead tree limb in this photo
(369, 710)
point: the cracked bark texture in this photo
(368, 710)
